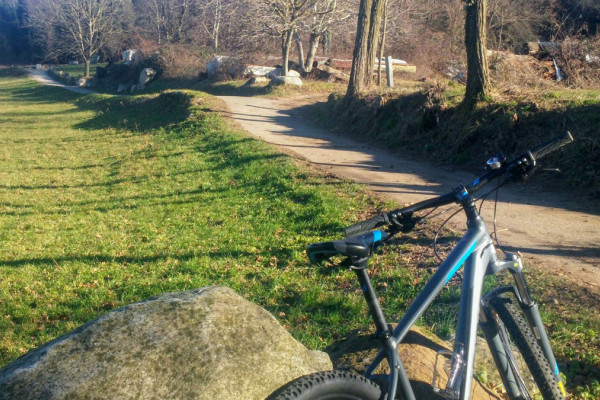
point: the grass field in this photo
(78, 70)
(108, 200)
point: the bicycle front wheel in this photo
(533, 374)
(329, 385)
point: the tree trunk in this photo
(287, 43)
(478, 85)
(359, 58)
(313, 46)
(382, 43)
(300, 50)
(87, 67)
(374, 31)
(216, 26)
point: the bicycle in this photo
(508, 317)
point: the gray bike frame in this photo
(478, 255)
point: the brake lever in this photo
(405, 223)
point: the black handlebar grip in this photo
(554, 144)
(368, 225)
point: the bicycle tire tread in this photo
(519, 330)
(315, 385)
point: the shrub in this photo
(579, 60)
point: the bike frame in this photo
(478, 255)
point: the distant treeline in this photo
(34, 31)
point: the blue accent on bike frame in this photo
(376, 236)
(476, 182)
(556, 369)
(461, 261)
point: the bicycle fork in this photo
(502, 356)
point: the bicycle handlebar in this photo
(554, 144)
(368, 225)
(515, 169)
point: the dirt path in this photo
(43, 78)
(549, 229)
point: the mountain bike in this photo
(508, 317)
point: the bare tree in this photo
(283, 18)
(511, 23)
(324, 15)
(217, 15)
(168, 21)
(76, 27)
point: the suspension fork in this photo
(532, 314)
(529, 307)
(500, 354)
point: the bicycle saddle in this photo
(354, 246)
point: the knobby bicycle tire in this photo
(524, 341)
(329, 385)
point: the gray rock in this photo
(286, 80)
(132, 56)
(145, 76)
(121, 88)
(257, 70)
(202, 344)
(256, 80)
(224, 67)
(277, 72)
(329, 74)
(274, 73)
(213, 65)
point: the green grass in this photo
(78, 70)
(107, 200)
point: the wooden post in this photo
(389, 70)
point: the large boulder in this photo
(208, 344)
(257, 70)
(278, 71)
(329, 74)
(133, 56)
(286, 80)
(224, 67)
(256, 80)
(146, 76)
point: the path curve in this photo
(547, 228)
(42, 77)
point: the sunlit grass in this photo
(78, 70)
(108, 200)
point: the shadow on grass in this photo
(101, 258)
(216, 88)
(138, 113)
(12, 72)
